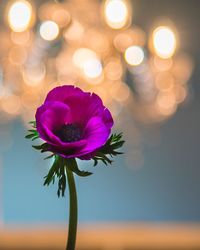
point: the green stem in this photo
(72, 228)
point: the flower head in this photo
(73, 123)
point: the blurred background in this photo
(142, 58)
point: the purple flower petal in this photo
(107, 118)
(70, 105)
(63, 93)
(96, 133)
(50, 116)
(83, 105)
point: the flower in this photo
(73, 123)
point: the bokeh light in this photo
(21, 38)
(164, 42)
(11, 104)
(164, 81)
(166, 103)
(88, 62)
(113, 69)
(33, 75)
(74, 32)
(18, 55)
(61, 17)
(49, 30)
(19, 15)
(94, 45)
(134, 55)
(116, 13)
(161, 64)
(120, 91)
(30, 99)
(92, 68)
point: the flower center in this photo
(69, 133)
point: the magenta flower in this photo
(73, 123)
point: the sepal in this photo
(110, 149)
(42, 148)
(32, 133)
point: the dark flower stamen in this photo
(69, 133)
